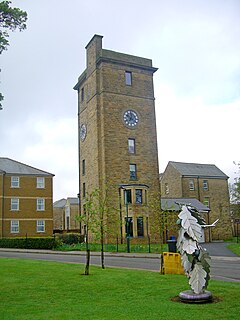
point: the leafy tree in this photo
(10, 19)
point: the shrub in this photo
(71, 238)
(28, 243)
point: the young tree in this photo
(235, 193)
(95, 218)
(236, 186)
(10, 19)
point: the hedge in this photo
(28, 243)
(71, 238)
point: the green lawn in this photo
(49, 290)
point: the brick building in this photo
(117, 135)
(25, 200)
(65, 212)
(206, 183)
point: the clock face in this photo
(130, 118)
(83, 131)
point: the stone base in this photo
(190, 297)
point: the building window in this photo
(206, 202)
(140, 229)
(191, 185)
(205, 185)
(15, 204)
(133, 172)
(127, 196)
(131, 145)
(84, 189)
(15, 182)
(166, 188)
(40, 226)
(129, 226)
(40, 182)
(14, 226)
(128, 78)
(139, 196)
(83, 167)
(82, 94)
(40, 204)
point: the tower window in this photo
(139, 196)
(128, 196)
(140, 229)
(205, 185)
(82, 94)
(133, 172)
(129, 226)
(83, 167)
(191, 185)
(128, 78)
(131, 145)
(84, 189)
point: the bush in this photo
(71, 238)
(28, 243)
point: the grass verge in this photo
(234, 247)
(134, 248)
(50, 290)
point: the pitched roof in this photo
(73, 200)
(197, 169)
(62, 202)
(171, 204)
(59, 203)
(14, 167)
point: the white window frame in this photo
(40, 204)
(40, 226)
(14, 226)
(133, 171)
(40, 182)
(131, 145)
(14, 204)
(15, 182)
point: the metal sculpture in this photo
(195, 259)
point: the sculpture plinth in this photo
(190, 297)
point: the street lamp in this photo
(127, 219)
(127, 222)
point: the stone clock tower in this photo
(117, 136)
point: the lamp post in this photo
(127, 222)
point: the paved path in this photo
(218, 249)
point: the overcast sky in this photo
(195, 44)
